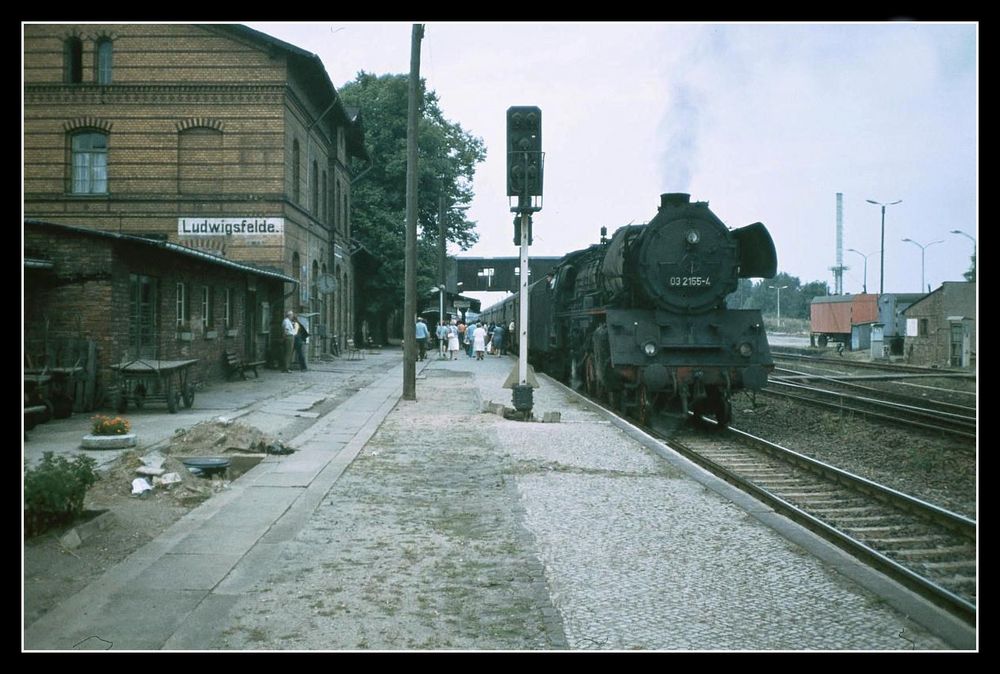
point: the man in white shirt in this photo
(288, 328)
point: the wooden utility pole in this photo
(442, 243)
(410, 274)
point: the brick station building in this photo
(217, 138)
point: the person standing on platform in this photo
(288, 329)
(422, 335)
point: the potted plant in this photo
(109, 433)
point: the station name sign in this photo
(230, 226)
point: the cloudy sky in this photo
(766, 122)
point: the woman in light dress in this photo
(479, 341)
(453, 341)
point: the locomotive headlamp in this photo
(745, 349)
(649, 348)
(693, 237)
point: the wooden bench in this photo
(238, 366)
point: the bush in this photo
(54, 491)
(102, 425)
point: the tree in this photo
(448, 156)
(971, 274)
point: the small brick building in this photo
(143, 298)
(941, 327)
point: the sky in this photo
(766, 122)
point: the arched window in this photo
(199, 161)
(73, 60)
(314, 190)
(326, 199)
(103, 62)
(89, 163)
(336, 202)
(296, 194)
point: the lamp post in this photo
(881, 273)
(922, 248)
(779, 289)
(440, 291)
(864, 287)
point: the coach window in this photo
(73, 60)
(104, 52)
(90, 163)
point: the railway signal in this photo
(524, 181)
(524, 151)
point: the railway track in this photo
(959, 420)
(927, 548)
(885, 366)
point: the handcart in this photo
(148, 380)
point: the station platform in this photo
(434, 525)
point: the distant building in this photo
(941, 327)
(890, 315)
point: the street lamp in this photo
(922, 248)
(881, 273)
(779, 289)
(855, 250)
(440, 291)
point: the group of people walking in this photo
(475, 338)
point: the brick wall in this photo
(87, 294)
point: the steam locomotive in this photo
(640, 320)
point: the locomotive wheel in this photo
(718, 405)
(724, 413)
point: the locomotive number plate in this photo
(690, 281)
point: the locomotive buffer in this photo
(525, 162)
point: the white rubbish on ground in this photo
(139, 486)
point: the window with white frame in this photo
(182, 305)
(229, 308)
(206, 307)
(90, 163)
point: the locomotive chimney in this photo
(674, 199)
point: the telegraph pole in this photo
(410, 272)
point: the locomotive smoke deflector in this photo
(758, 258)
